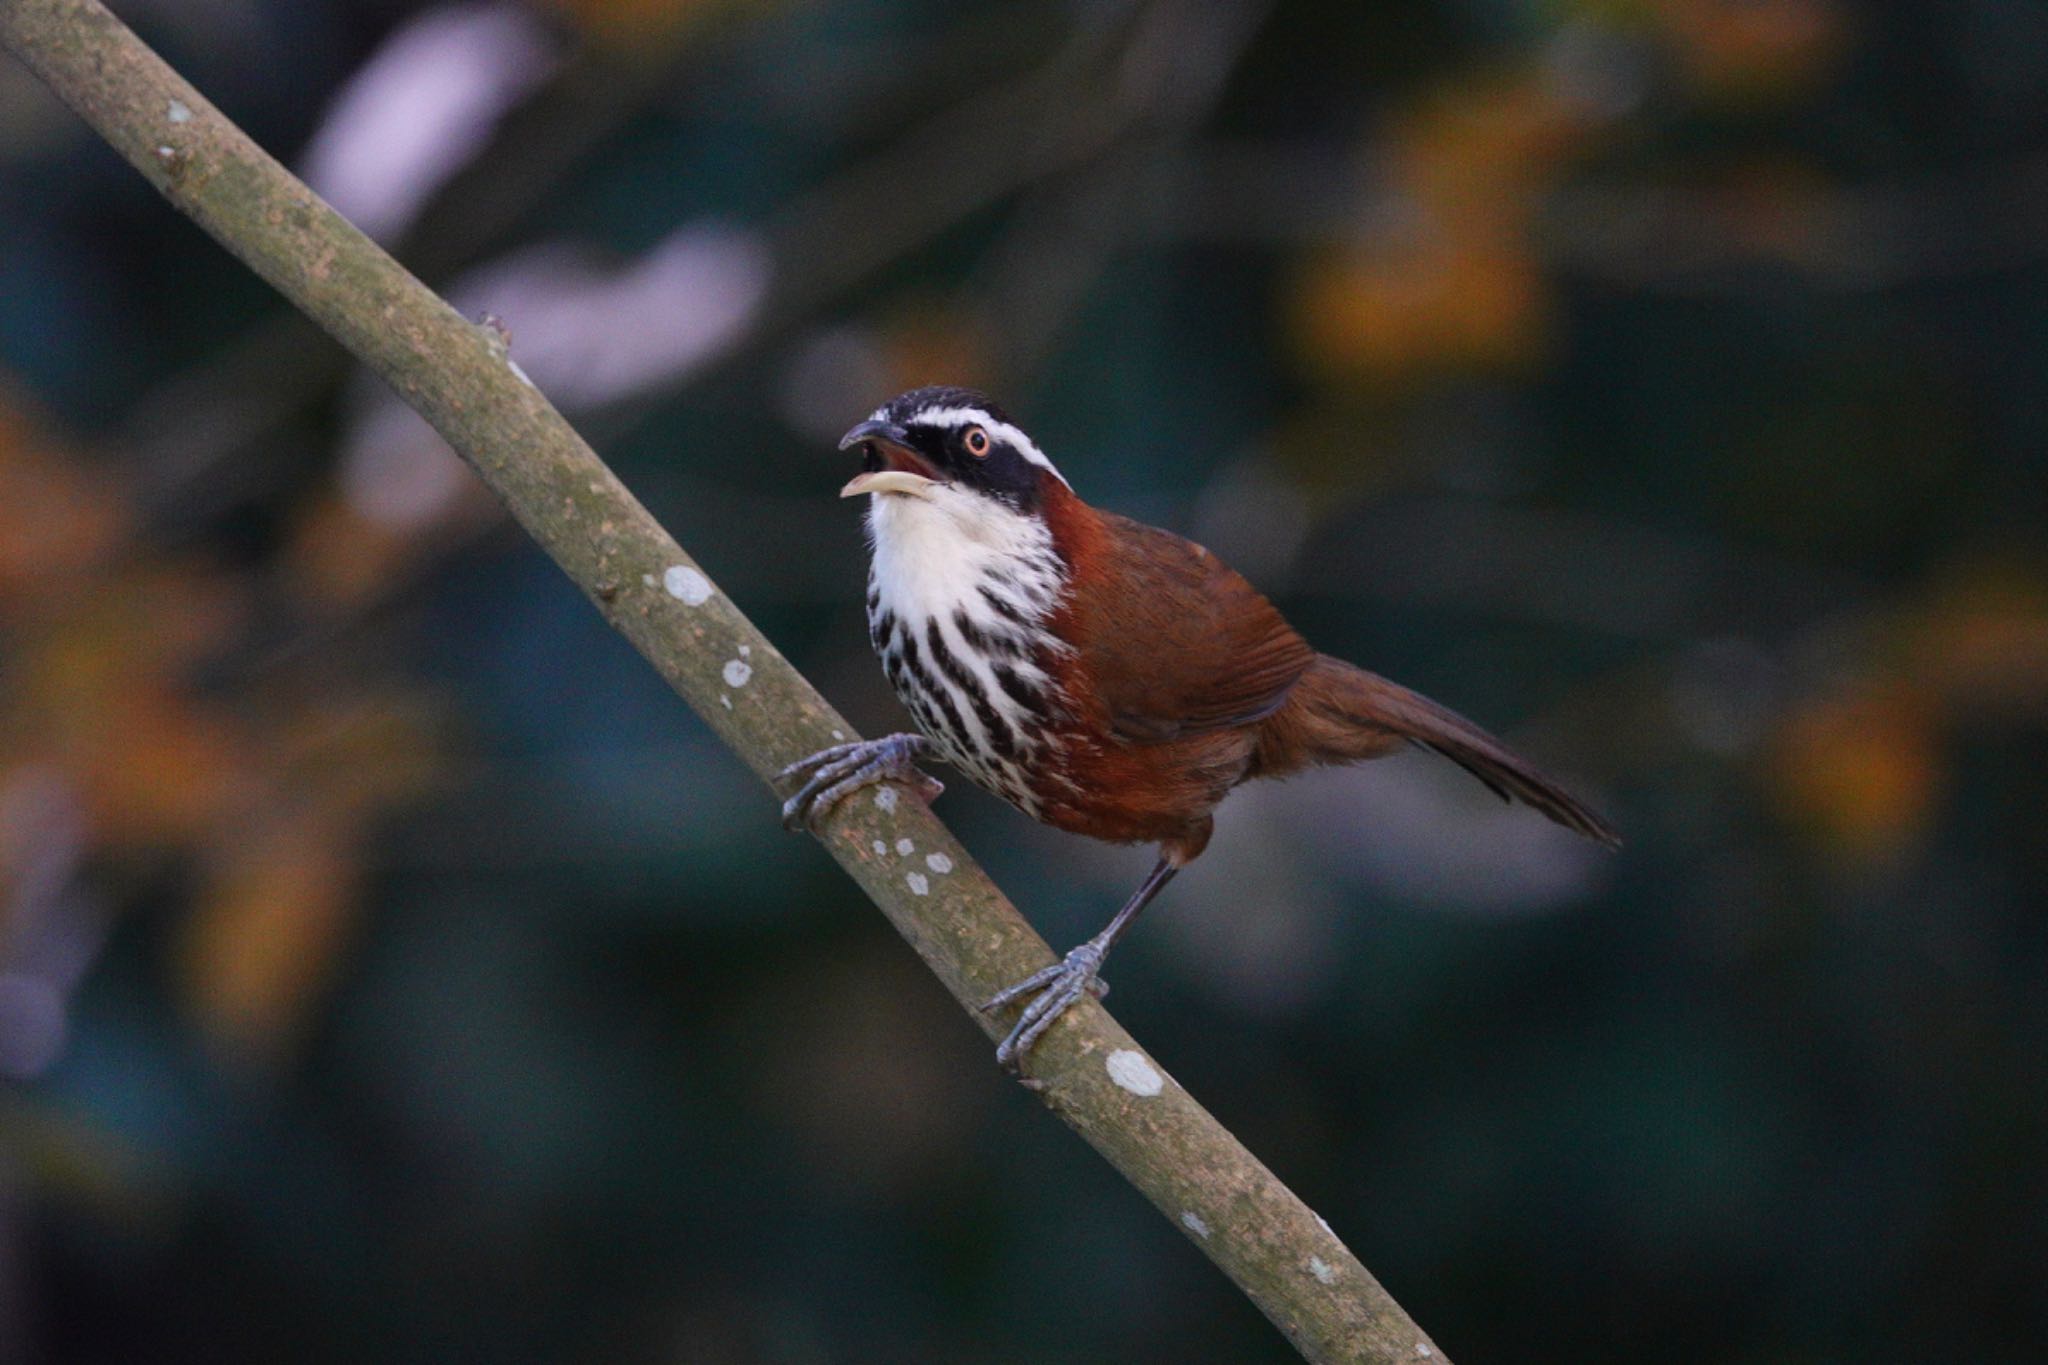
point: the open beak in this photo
(889, 464)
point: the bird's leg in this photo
(838, 772)
(1054, 988)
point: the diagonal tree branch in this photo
(460, 377)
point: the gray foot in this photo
(1051, 990)
(840, 771)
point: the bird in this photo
(1103, 676)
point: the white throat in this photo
(958, 593)
(934, 553)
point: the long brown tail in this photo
(1339, 713)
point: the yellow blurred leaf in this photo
(363, 751)
(277, 897)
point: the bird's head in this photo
(946, 443)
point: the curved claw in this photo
(837, 772)
(1052, 991)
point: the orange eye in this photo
(976, 441)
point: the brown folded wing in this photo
(1177, 641)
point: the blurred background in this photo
(392, 970)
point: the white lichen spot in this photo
(725, 701)
(737, 671)
(881, 849)
(1192, 1221)
(905, 847)
(686, 585)
(917, 883)
(1324, 1224)
(165, 152)
(647, 580)
(1131, 1071)
(521, 375)
(1324, 1272)
(1423, 1350)
(178, 112)
(885, 798)
(939, 863)
(839, 734)
(746, 650)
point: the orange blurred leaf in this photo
(58, 522)
(1443, 275)
(1397, 315)
(1745, 50)
(102, 695)
(277, 896)
(925, 341)
(1861, 770)
(1981, 642)
(641, 29)
(1480, 151)
(338, 558)
(363, 751)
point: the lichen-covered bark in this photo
(460, 377)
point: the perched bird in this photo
(1098, 674)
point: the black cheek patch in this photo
(1010, 477)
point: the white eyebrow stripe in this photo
(1002, 431)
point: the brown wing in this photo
(1177, 641)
